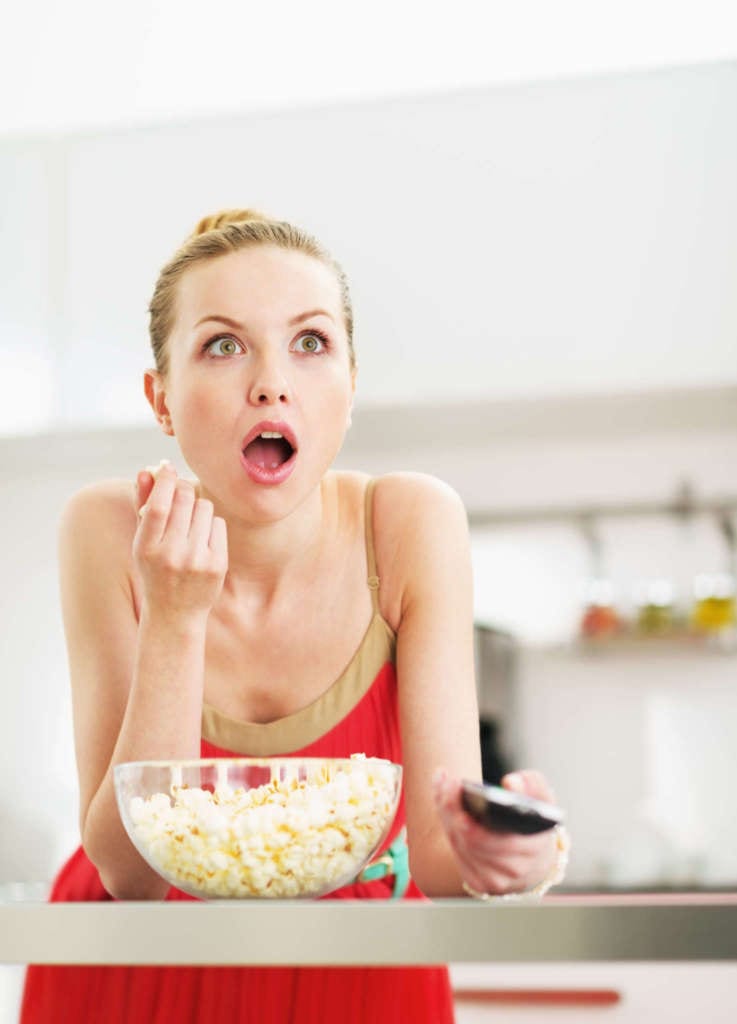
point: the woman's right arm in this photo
(136, 686)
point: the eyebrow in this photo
(238, 326)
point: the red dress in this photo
(357, 714)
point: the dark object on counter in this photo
(494, 765)
(496, 654)
(501, 810)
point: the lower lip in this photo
(260, 475)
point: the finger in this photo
(495, 861)
(201, 524)
(530, 783)
(512, 861)
(474, 838)
(180, 514)
(219, 539)
(490, 861)
(466, 836)
(447, 793)
(464, 829)
(155, 513)
(145, 480)
(144, 486)
(489, 845)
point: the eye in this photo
(227, 346)
(312, 341)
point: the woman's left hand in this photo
(496, 862)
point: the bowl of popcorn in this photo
(258, 828)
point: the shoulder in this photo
(94, 543)
(99, 514)
(409, 499)
(418, 515)
(402, 503)
(420, 535)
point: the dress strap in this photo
(373, 579)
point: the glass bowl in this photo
(254, 828)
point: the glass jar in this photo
(713, 611)
(600, 618)
(712, 615)
(656, 613)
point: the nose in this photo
(269, 385)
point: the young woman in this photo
(270, 606)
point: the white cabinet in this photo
(605, 993)
(641, 746)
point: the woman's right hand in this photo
(180, 547)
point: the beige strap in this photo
(305, 726)
(373, 579)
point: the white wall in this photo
(29, 330)
(150, 62)
(551, 238)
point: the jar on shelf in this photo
(656, 611)
(600, 618)
(714, 602)
(713, 612)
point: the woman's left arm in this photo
(423, 522)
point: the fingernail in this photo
(515, 781)
(438, 778)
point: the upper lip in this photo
(275, 426)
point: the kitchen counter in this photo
(644, 927)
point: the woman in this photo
(270, 606)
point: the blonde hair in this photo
(218, 235)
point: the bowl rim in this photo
(202, 762)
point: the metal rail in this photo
(563, 928)
(683, 506)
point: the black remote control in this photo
(502, 810)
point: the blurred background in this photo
(536, 206)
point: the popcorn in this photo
(154, 471)
(288, 838)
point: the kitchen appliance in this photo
(496, 656)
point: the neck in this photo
(263, 558)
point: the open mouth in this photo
(269, 450)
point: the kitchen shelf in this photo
(682, 506)
(645, 927)
(642, 648)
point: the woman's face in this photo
(258, 348)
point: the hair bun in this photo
(225, 217)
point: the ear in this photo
(155, 391)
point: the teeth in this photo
(270, 433)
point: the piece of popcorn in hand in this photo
(154, 471)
